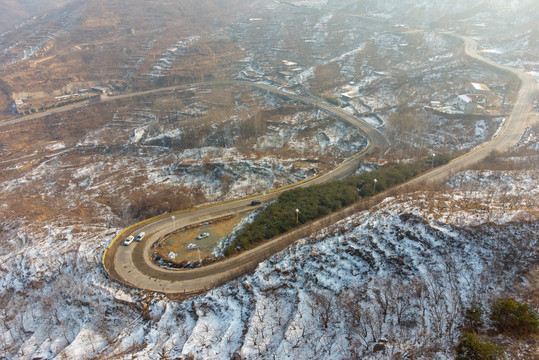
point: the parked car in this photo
(140, 236)
(128, 240)
(255, 202)
(192, 246)
(203, 235)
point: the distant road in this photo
(377, 140)
(86, 103)
(375, 136)
(514, 127)
(133, 264)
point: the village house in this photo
(251, 75)
(479, 99)
(349, 96)
(467, 104)
(19, 104)
(287, 75)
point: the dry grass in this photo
(113, 36)
(177, 242)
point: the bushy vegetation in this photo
(472, 347)
(277, 218)
(319, 200)
(385, 177)
(473, 318)
(440, 159)
(509, 316)
(332, 101)
(154, 201)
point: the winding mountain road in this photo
(105, 99)
(132, 265)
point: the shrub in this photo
(473, 318)
(332, 101)
(471, 347)
(277, 218)
(441, 159)
(385, 177)
(509, 316)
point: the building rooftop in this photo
(480, 87)
(465, 98)
(289, 63)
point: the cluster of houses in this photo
(476, 100)
(289, 70)
(28, 105)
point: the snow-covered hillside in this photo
(394, 278)
(390, 282)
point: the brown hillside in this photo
(123, 40)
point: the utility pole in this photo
(297, 216)
(375, 181)
(173, 221)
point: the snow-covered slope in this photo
(397, 276)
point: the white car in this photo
(192, 246)
(203, 235)
(128, 240)
(140, 236)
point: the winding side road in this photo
(104, 99)
(132, 265)
(514, 127)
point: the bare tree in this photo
(382, 295)
(402, 301)
(322, 304)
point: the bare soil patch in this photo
(173, 247)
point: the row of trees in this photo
(277, 218)
(319, 200)
(369, 183)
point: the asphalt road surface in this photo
(133, 266)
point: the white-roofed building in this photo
(477, 88)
